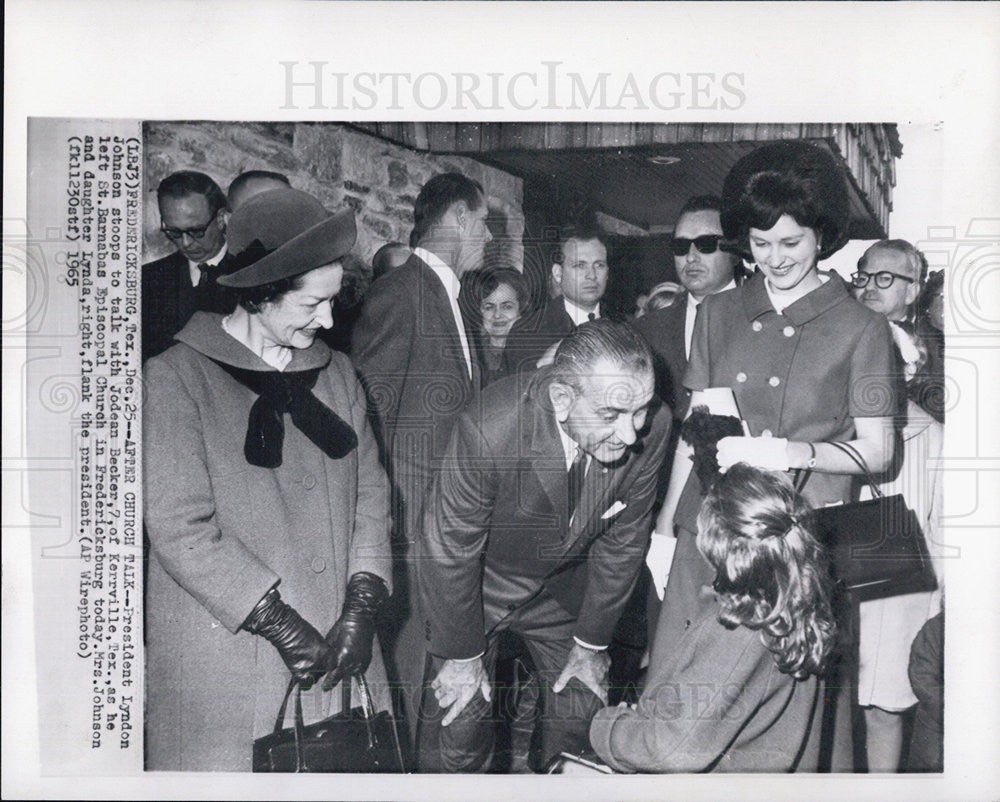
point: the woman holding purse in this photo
(806, 362)
(265, 502)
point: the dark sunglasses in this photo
(194, 233)
(883, 279)
(707, 243)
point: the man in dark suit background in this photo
(704, 268)
(192, 216)
(580, 273)
(412, 351)
(537, 523)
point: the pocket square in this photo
(613, 510)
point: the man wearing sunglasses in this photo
(193, 219)
(704, 268)
(890, 276)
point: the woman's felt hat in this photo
(282, 233)
(816, 167)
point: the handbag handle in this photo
(858, 460)
(367, 713)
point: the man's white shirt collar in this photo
(452, 286)
(577, 315)
(689, 315)
(213, 262)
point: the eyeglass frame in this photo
(856, 277)
(716, 239)
(175, 234)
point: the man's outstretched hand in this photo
(588, 666)
(456, 684)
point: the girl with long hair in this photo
(738, 689)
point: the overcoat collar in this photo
(832, 292)
(204, 333)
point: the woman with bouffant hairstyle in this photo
(737, 688)
(771, 574)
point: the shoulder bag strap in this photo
(802, 476)
(855, 455)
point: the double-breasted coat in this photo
(805, 375)
(223, 532)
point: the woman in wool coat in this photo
(265, 503)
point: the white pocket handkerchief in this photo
(613, 510)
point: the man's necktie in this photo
(203, 278)
(591, 316)
(576, 475)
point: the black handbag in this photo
(877, 547)
(354, 740)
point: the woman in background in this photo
(498, 297)
(737, 691)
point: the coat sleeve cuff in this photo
(600, 736)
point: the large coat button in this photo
(774, 381)
(741, 377)
(318, 564)
(788, 331)
(309, 481)
(757, 325)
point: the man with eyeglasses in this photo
(192, 217)
(890, 276)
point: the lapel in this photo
(433, 301)
(540, 440)
(597, 498)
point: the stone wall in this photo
(338, 164)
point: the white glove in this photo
(659, 558)
(769, 453)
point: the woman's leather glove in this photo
(351, 637)
(302, 648)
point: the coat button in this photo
(741, 377)
(788, 331)
(767, 433)
(309, 481)
(774, 381)
(318, 564)
(511, 607)
(757, 325)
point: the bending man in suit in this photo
(580, 272)
(193, 217)
(412, 351)
(537, 523)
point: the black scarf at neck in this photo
(289, 392)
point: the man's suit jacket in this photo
(532, 335)
(407, 350)
(663, 329)
(169, 299)
(495, 525)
